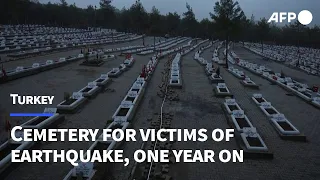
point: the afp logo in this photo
(304, 17)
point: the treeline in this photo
(137, 20)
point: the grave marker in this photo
(221, 85)
(50, 110)
(120, 119)
(76, 95)
(104, 76)
(19, 69)
(250, 132)
(266, 105)
(279, 117)
(132, 94)
(35, 65)
(84, 168)
(230, 101)
(91, 85)
(257, 96)
(126, 104)
(48, 62)
(238, 113)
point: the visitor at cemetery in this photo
(218, 72)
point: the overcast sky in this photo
(201, 8)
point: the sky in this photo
(201, 8)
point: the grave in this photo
(240, 120)
(221, 90)
(90, 90)
(216, 79)
(285, 129)
(247, 82)
(129, 62)
(175, 80)
(268, 109)
(103, 80)
(124, 112)
(115, 72)
(237, 73)
(70, 104)
(123, 67)
(258, 99)
(252, 140)
(231, 105)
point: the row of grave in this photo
(122, 117)
(169, 45)
(175, 73)
(36, 68)
(69, 105)
(309, 94)
(33, 30)
(215, 57)
(58, 37)
(21, 71)
(308, 61)
(284, 127)
(161, 44)
(54, 40)
(36, 47)
(251, 141)
(37, 51)
(248, 138)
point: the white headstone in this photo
(221, 85)
(126, 104)
(279, 117)
(84, 168)
(136, 86)
(238, 113)
(132, 94)
(250, 132)
(48, 62)
(104, 76)
(230, 101)
(62, 59)
(316, 99)
(120, 119)
(266, 104)
(35, 65)
(50, 110)
(303, 89)
(140, 80)
(266, 74)
(247, 79)
(91, 84)
(288, 79)
(257, 96)
(76, 95)
(19, 68)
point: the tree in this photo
(189, 22)
(227, 15)
(263, 29)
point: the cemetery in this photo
(143, 68)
